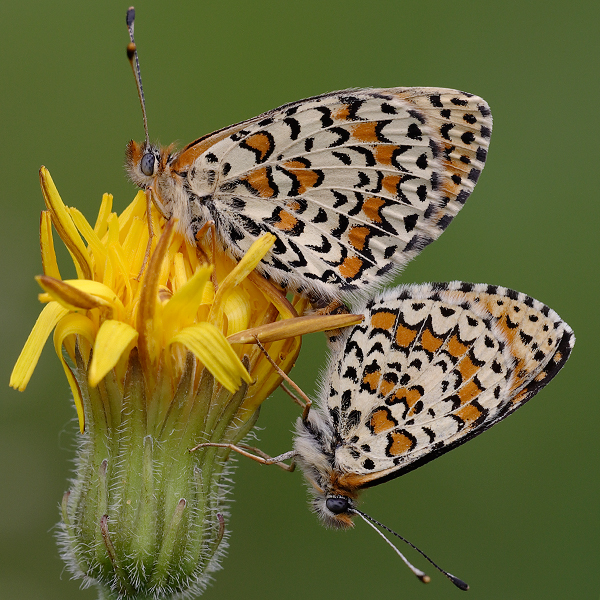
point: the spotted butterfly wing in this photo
(353, 184)
(431, 367)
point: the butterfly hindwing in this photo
(432, 366)
(353, 183)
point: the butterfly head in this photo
(335, 508)
(145, 162)
(335, 511)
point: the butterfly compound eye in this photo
(337, 505)
(147, 164)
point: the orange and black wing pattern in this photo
(431, 367)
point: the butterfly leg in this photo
(209, 227)
(259, 456)
(150, 232)
(152, 197)
(274, 460)
(307, 401)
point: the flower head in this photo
(156, 338)
(184, 299)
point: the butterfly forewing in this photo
(352, 183)
(434, 365)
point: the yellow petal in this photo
(113, 229)
(45, 298)
(94, 242)
(101, 222)
(238, 310)
(208, 296)
(114, 338)
(121, 273)
(136, 209)
(82, 294)
(47, 246)
(148, 324)
(73, 324)
(179, 275)
(211, 347)
(70, 296)
(96, 289)
(77, 398)
(64, 225)
(248, 263)
(135, 245)
(183, 305)
(51, 314)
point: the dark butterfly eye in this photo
(337, 505)
(147, 164)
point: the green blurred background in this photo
(514, 512)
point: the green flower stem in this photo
(145, 517)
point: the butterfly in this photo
(430, 367)
(353, 183)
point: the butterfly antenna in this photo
(459, 583)
(134, 61)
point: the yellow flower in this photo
(184, 300)
(157, 340)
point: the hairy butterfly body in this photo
(353, 184)
(431, 367)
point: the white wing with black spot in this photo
(353, 183)
(432, 366)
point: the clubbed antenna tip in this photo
(132, 55)
(130, 16)
(459, 583)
